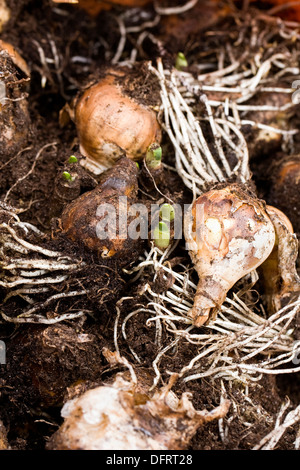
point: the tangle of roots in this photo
(250, 56)
(241, 344)
(202, 156)
(31, 271)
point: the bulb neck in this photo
(210, 295)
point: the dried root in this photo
(248, 74)
(283, 423)
(210, 149)
(195, 155)
(32, 271)
(240, 344)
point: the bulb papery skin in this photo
(228, 234)
(110, 124)
(279, 271)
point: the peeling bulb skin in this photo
(92, 220)
(278, 217)
(110, 124)
(228, 234)
(279, 272)
(120, 417)
(15, 57)
(14, 85)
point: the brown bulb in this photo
(279, 272)
(15, 120)
(285, 188)
(92, 220)
(228, 234)
(110, 124)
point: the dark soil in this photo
(46, 363)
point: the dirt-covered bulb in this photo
(98, 219)
(14, 114)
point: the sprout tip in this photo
(66, 175)
(181, 61)
(73, 159)
(153, 156)
(167, 212)
(161, 235)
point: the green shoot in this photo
(167, 212)
(66, 175)
(153, 156)
(181, 61)
(161, 236)
(73, 159)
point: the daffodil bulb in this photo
(93, 220)
(228, 234)
(124, 416)
(110, 123)
(279, 272)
